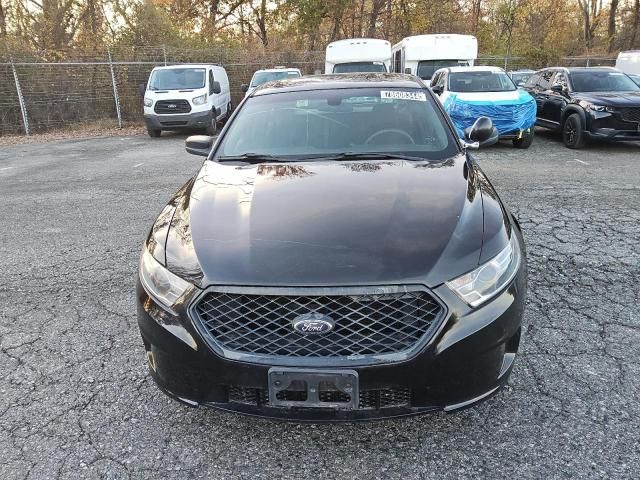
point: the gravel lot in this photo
(77, 401)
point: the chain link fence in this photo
(56, 90)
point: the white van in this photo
(629, 62)
(186, 97)
(358, 55)
(422, 55)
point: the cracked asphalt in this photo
(76, 400)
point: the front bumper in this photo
(611, 127)
(467, 360)
(191, 120)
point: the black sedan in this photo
(597, 103)
(339, 256)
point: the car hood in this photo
(612, 99)
(328, 223)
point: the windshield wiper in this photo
(253, 158)
(368, 156)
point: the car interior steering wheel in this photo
(391, 131)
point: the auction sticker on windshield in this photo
(400, 95)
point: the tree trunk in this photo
(261, 20)
(376, 7)
(636, 21)
(612, 25)
(3, 21)
(475, 15)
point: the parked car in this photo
(520, 77)
(358, 55)
(470, 92)
(339, 256)
(587, 103)
(269, 75)
(186, 97)
(422, 55)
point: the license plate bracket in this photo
(313, 388)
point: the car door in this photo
(212, 96)
(556, 98)
(543, 88)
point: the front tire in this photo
(573, 131)
(525, 140)
(153, 132)
(212, 129)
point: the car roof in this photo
(278, 69)
(479, 68)
(340, 80)
(186, 65)
(582, 69)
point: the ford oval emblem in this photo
(313, 323)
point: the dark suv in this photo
(586, 103)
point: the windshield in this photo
(479, 81)
(263, 77)
(427, 68)
(601, 81)
(177, 79)
(331, 122)
(520, 78)
(635, 78)
(355, 67)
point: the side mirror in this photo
(199, 145)
(244, 87)
(480, 131)
(407, 71)
(557, 88)
(215, 87)
(437, 90)
(142, 88)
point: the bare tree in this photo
(3, 21)
(636, 22)
(376, 8)
(611, 30)
(591, 19)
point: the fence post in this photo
(164, 53)
(115, 89)
(23, 106)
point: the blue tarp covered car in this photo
(468, 93)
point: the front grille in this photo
(366, 324)
(172, 106)
(173, 124)
(630, 114)
(390, 397)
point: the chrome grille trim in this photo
(226, 337)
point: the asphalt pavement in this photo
(76, 400)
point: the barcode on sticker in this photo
(399, 95)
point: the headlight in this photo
(148, 102)
(160, 283)
(487, 280)
(600, 108)
(201, 100)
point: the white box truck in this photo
(358, 55)
(422, 55)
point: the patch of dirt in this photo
(81, 131)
